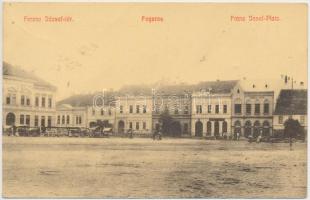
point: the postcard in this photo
(154, 100)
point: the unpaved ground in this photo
(116, 167)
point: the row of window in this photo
(137, 125)
(102, 112)
(66, 119)
(301, 119)
(248, 109)
(137, 109)
(25, 101)
(217, 109)
(25, 120)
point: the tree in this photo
(166, 120)
(292, 129)
(169, 127)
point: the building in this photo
(27, 99)
(211, 109)
(135, 113)
(252, 110)
(69, 116)
(290, 104)
(206, 109)
(178, 107)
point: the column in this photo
(221, 128)
(212, 128)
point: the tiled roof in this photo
(218, 87)
(177, 89)
(292, 102)
(11, 70)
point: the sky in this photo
(107, 45)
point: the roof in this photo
(217, 87)
(135, 90)
(292, 102)
(11, 70)
(81, 100)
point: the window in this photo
(217, 108)
(28, 120)
(137, 125)
(302, 119)
(110, 112)
(43, 102)
(58, 119)
(237, 108)
(248, 108)
(28, 101)
(13, 99)
(185, 129)
(120, 109)
(224, 108)
(37, 102)
(36, 120)
(49, 102)
(43, 121)
(102, 111)
(198, 109)
(144, 109)
(144, 125)
(22, 100)
(93, 112)
(280, 119)
(21, 119)
(63, 119)
(176, 111)
(186, 110)
(49, 121)
(266, 108)
(8, 100)
(137, 109)
(80, 119)
(209, 108)
(131, 109)
(68, 119)
(130, 125)
(257, 108)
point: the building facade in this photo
(208, 109)
(291, 104)
(69, 116)
(27, 99)
(252, 111)
(134, 113)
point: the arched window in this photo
(257, 128)
(209, 128)
(266, 128)
(10, 119)
(224, 128)
(247, 128)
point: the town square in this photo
(154, 100)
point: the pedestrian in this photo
(238, 135)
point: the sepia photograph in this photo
(154, 100)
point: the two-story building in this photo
(211, 109)
(69, 116)
(27, 99)
(252, 110)
(133, 112)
